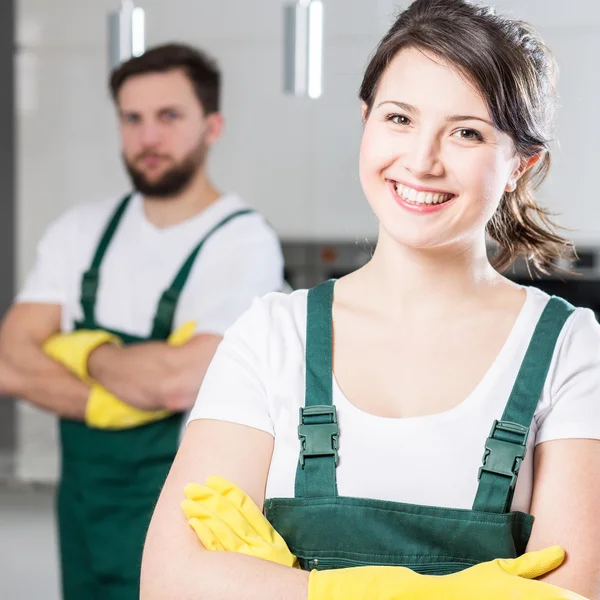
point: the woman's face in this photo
(432, 165)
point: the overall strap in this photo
(91, 278)
(318, 428)
(165, 312)
(505, 447)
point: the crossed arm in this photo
(176, 565)
(149, 376)
(26, 372)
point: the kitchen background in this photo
(294, 159)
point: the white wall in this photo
(295, 160)
(291, 158)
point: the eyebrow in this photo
(161, 110)
(449, 118)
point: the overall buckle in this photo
(89, 285)
(318, 439)
(503, 457)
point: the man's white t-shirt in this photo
(239, 262)
(257, 378)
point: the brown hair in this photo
(201, 70)
(516, 74)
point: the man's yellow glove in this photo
(226, 518)
(104, 410)
(183, 334)
(73, 349)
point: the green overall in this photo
(110, 480)
(327, 531)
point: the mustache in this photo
(149, 154)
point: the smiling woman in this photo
(514, 74)
(409, 370)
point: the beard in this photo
(174, 180)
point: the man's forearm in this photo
(154, 375)
(26, 372)
(135, 374)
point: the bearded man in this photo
(124, 309)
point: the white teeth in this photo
(412, 195)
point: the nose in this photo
(424, 156)
(149, 134)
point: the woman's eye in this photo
(399, 119)
(469, 134)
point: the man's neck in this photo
(165, 212)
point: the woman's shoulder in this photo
(577, 350)
(581, 324)
(282, 304)
(276, 316)
(278, 307)
(569, 405)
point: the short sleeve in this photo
(242, 263)
(235, 387)
(573, 406)
(47, 282)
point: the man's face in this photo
(165, 134)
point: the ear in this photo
(364, 110)
(524, 165)
(215, 124)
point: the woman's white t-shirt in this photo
(257, 378)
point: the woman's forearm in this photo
(222, 576)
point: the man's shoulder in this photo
(241, 223)
(82, 218)
(92, 213)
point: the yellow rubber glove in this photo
(105, 411)
(499, 579)
(73, 349)
(183, 334)
(226, 518)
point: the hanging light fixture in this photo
(303, 48)
(126, 33)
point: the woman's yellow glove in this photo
(226, 518)
(73, 349)
(500, 579)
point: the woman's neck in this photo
(432, 281)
